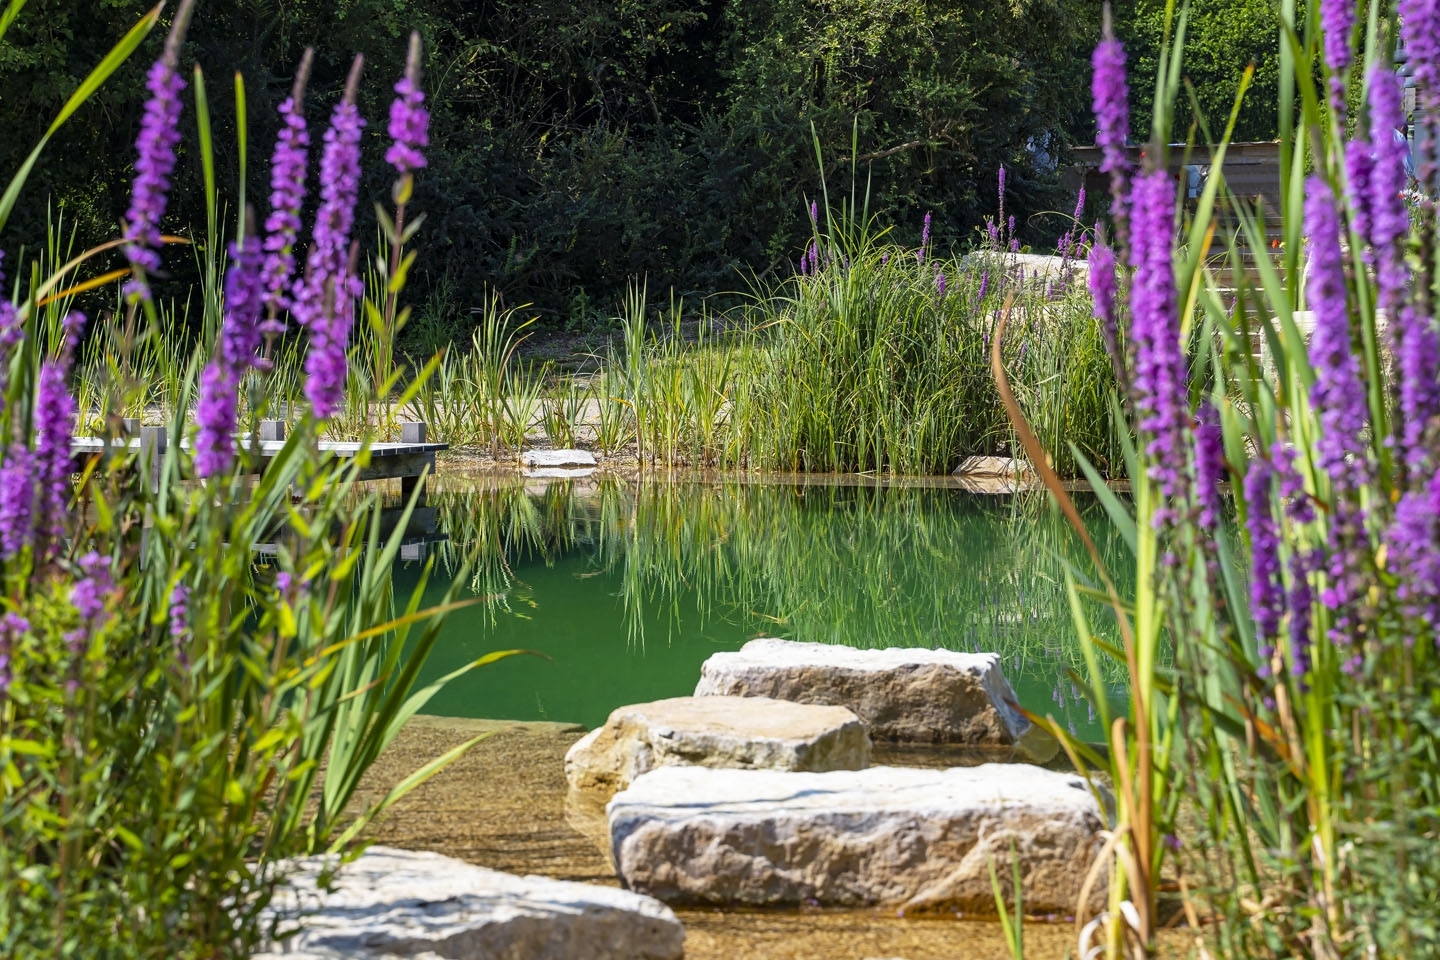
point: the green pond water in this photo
(626, 587)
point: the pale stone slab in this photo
(557, 458)
(993, 468)
(932, 696)
(399, 903)
(743, 732)
(894, 836)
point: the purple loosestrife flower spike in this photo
(940, 282)
(324, 301)
(1001, 194)
(1414, 538)
(287, 192)
(1301, 600)
(1103, 294)
(1267, 599)
(1209, 465)
(179, 616)
(1419, 390)
(1161, 383)
(1359, 164)
(1110, 96)
(89, 594)
(237, 352)
(815, 213)
(924, 240)
(54, 423)
(409, 121)
(1337, 23)
(1338, 394)
(215, 416)
(17, 502)
(155, 161)
(1298, 508)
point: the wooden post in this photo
(272, 430)
(413, 431)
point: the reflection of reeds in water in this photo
(857, 565)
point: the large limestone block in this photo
(745, 732)
(399, 903)
(930, 696)
(896, 836)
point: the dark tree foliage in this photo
(1223, 37)
(578, 143)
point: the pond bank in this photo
(503, 806)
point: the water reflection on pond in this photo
(627, 587)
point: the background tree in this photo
(579, 144)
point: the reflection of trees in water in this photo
(860, 565)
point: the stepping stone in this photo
(894, 836)
(744, 732)
(1007, 468)
(573, 459)
(902, 694)
(402, 903)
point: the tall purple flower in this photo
(1301, 600)
(17, 501)
(1161, 383)
(324, 301)
(1267, 596)
(236, 353)
(1209, 465)
(409, 121)
(179, 617)
(1074, 232)
(815, 213)
(1414, 539)
(287, 191)
(940, 282)
(1298, 508)
(54, 424)
(1000, 192)
(1419, 390)
(90, 595)
(1110, 96)
(1338, 394)
(924, 239)
(1337, 23)
(159, 136)
(215, 416)
(1359, 165)
(1103, 294)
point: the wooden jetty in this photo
(408, 460)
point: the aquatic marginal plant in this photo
(171, 726)
(1284, 647)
